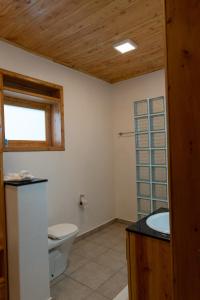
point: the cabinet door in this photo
(2, 292)
(149, 268)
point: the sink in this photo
(159, 222)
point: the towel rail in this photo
(130, 133)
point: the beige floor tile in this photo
(94, 262)
(79, 243)
(89, 249)
(113, 286)
(56, 280)
(113, 232)
(95, 296)
(75, 262)
(117, 225)
(92, 275)
(123, 295)
(120, 247)
(108, 239)
(69, 289)
(111, 258)
(125, 270)
(117, 233)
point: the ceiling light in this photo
(125, 46)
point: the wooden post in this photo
(3, 254)
(183, 80)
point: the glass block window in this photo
(151, 155)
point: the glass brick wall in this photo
(151, 155)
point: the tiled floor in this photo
(123, 295)
(97, 269)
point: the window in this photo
(25, 124)
(33, 113)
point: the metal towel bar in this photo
(130, 133)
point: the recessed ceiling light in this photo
(125, 46)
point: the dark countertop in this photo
(140, 227)
(25, 182)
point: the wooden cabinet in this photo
(149, 268)
(3, 256)
(2, 290)
(3, 273)
(3, 277)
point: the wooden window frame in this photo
(24, 91)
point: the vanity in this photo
(149, 260)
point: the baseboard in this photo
(123, 221)
(100, 227)
(95, 229)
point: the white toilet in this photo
(60, 236)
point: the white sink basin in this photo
(159, 222)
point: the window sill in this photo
(32, 149)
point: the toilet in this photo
(60, 240)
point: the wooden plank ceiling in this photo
(80, 33)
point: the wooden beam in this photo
(183, 73)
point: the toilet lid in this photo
(60, 231)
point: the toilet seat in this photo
(61, 231)
(58, 234)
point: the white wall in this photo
(123, 96)
(94, 163)
(86, 166)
